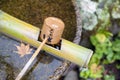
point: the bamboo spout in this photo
(25, 32)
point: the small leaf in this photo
(23, 49)
(116, 45)
(109, 77)
(110, 57)
(101, 37)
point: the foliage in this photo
(95, 71)
(109, 77)
(107, 47)
(98, 13)
(106, 51)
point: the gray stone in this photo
(72, 75)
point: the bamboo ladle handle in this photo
(21, 74)
(51, 31)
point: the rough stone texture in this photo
(79, 22)
(72, 75)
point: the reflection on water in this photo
(11, 63)
(6, 69)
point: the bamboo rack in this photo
(27, 33)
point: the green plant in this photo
(94, 71)
(103, 47)
(107, 49)
(109, 77)
(106, 52)
(102, 44)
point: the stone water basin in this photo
(34, 12)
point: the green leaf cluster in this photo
(106, 51)
(106, 48)
(109, 77)
(102, 47)
(98, 17)
(91, 74)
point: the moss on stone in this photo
(35, 11)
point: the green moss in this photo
(35, 11)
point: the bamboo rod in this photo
(23, 71)
(25, 32)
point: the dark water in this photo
(11, 63)
(33, 12)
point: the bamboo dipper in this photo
(51, 33)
